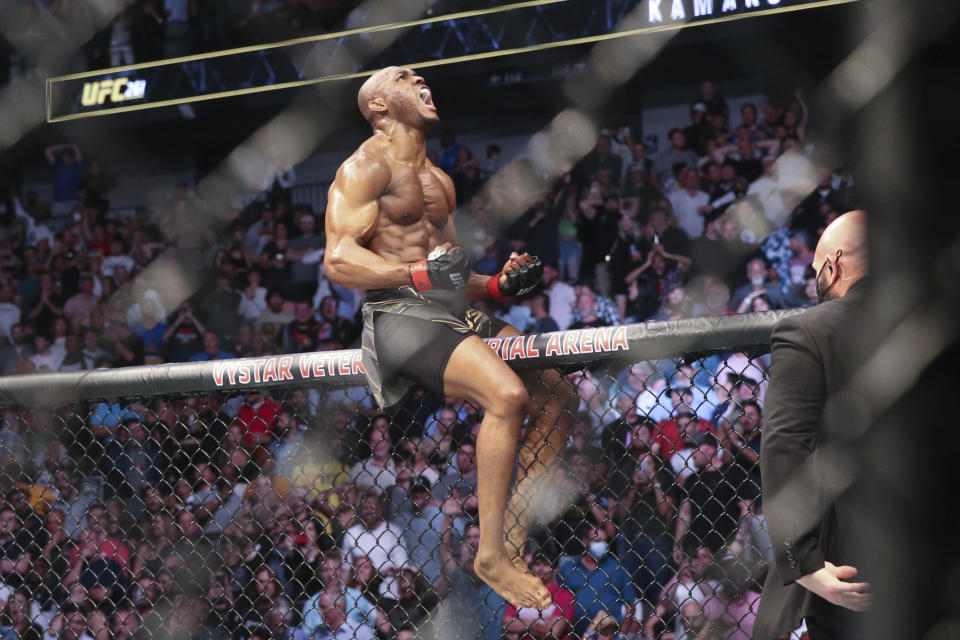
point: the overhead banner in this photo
(448, 39)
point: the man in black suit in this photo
(810, 516)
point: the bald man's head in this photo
(398, 93)
(841, 255)
(371, 92)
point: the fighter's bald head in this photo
(848, 236)
(371, 92)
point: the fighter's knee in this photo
(510, 399)
(515, 396)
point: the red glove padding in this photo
(493, 289)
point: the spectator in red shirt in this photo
(684, 424)
(257, 417)
(556, 621)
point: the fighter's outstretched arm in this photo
(353, 206)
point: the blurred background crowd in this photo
(722, 221)
(306, 513)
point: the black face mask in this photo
(823, 287)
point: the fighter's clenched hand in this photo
(516, 260)
(520, 275)
(444, 268)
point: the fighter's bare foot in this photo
(515, 586)
(519, 563)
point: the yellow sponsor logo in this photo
(113, 90)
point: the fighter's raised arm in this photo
(353, 210)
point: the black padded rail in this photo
(643, 341)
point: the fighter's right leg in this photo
(475, 373)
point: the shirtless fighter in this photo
(390, 231)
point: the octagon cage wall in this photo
(217, 501)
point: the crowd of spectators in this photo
(307, 514)
(722, 224)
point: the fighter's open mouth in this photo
(426, 97)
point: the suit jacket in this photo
(810, 515)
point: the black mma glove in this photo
(522, 280)
(441, 270)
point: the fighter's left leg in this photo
(551, 407)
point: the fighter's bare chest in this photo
(416, 197)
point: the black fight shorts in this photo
(408, 337)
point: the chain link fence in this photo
(274, 501)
